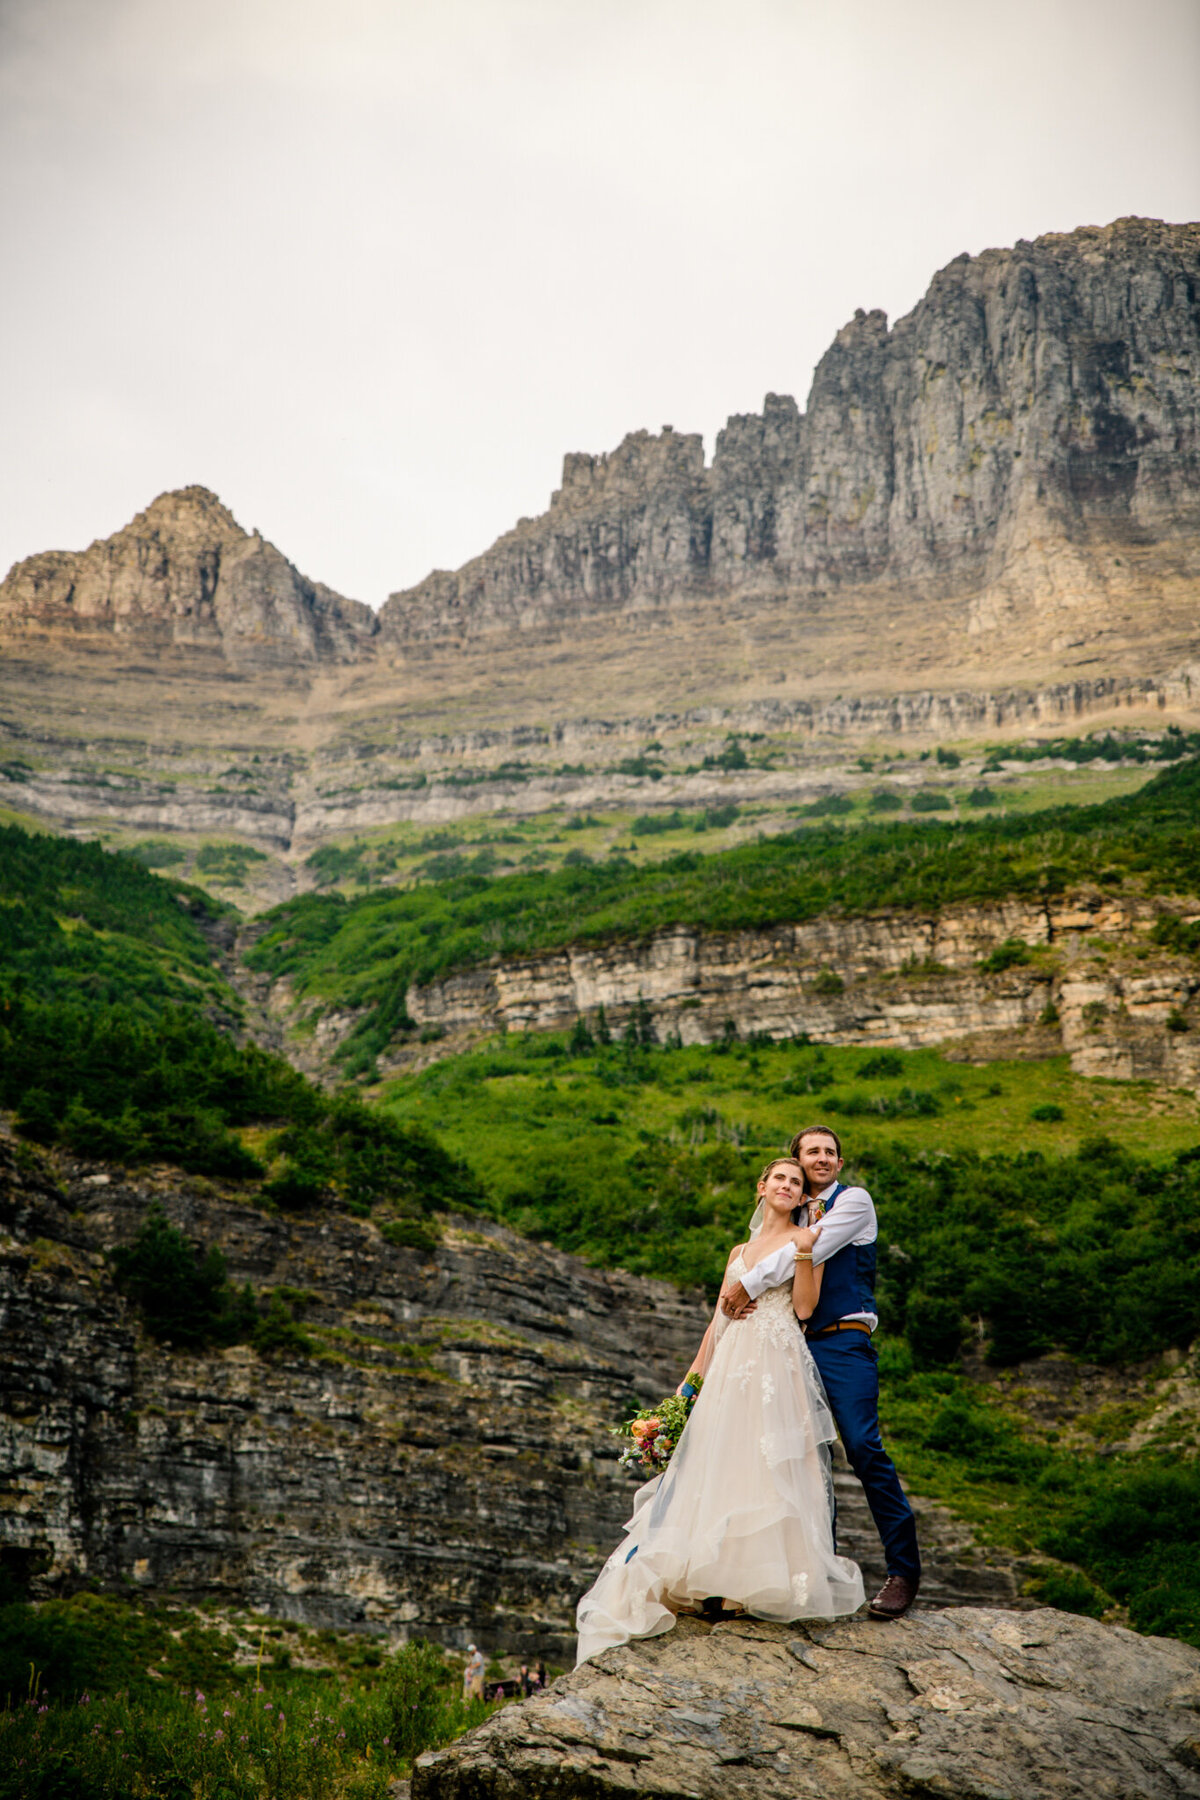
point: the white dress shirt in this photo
(852, 1221)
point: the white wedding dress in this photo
(745, 1507)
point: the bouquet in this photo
(655, 1431)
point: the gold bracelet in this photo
(804, 1256)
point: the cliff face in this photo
(184, 574)
(902, 979)
(1019, 442)
(442, 1461)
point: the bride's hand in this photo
(807, 1235)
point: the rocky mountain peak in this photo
(184, 574)
(989, 454)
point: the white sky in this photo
(368, 269)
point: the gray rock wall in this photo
(442, 1464)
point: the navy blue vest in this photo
(848, 1281)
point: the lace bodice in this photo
(774, 1315)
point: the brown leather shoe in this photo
(894, 1598)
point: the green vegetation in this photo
(111, 1045)
(1041, 1231)
(364, 953)
(79, 924)
(715, 818)
(1170, 746)
(227, 863)
(1130, 1524)
(186, 1299)
(106, 1699)
(153, 853)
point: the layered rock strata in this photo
(966, 1704)
(289, 799)
(1093, 984)
(441, 1461)
(1027, 431)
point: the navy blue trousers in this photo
(848, 1365)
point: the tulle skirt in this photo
(745, 1508)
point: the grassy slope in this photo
(115, 1042)
(79, 924)
(365, 952)
(646, 1157)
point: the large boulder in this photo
(964, 1704)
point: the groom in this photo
(839, 1336)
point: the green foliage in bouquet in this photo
(655, 1431)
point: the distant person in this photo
(542, 1678)
(741, 1519)
(839, 1337)
(526, 1679)
(473, 1674)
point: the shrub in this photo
(949, 759)
(931, 800)
(277, 1330)
(830, 806)
(1177, 1020)
(827, 984)
(416, 1689)
(37, 1116)
(411, 1234)
(883, 1066)
(885, 800)
(180, 1288)
(935, 1329)
(981, 796)
(1008, 955)
(156, 855)
(1047, 1114)
(1070, 1591)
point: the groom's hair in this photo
(815, 1131)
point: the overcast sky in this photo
(368, 269)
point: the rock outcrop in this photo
(185, 575)
(1092, 984)
(965, 1705)
(1023, 446)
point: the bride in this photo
(744, 1510)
